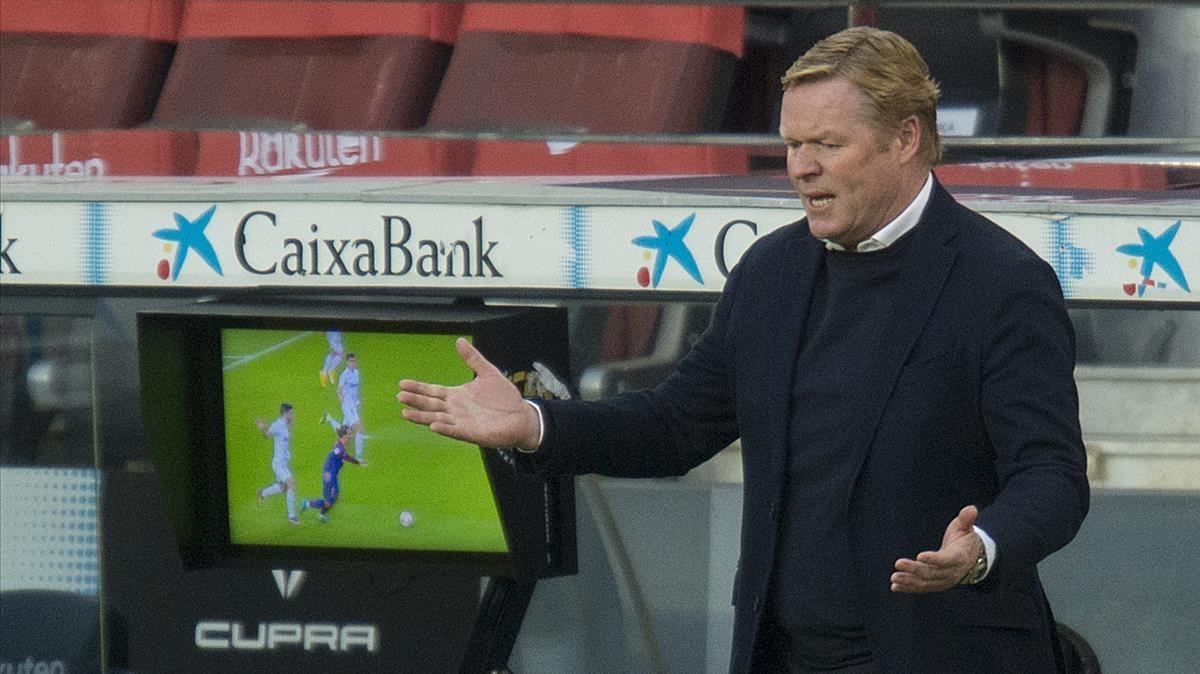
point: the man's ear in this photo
(909, 138)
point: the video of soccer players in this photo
(317, 454)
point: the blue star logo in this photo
(1156, 251)
(189, 235)
(669, 244)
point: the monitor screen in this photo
(276, 434)
(384, 482)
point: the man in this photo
(349, 384)
(280, 432)
(330, 487)
(333, 358)
(892, 363)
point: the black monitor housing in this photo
(183, 359)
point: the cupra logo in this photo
(669, 244)
(188, 235)
(288, 582)
(1154, 251)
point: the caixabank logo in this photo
(668, 244)
(1154, 251)
(188, 236)
(270, 243)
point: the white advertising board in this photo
(478, 246)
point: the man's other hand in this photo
(941, 569)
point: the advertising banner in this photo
(483, 247)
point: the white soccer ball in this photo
(406, 518)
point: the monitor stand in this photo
(501, 612)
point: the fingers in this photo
(474, 360)
(423, 403)
(962, 525)
(417, 416)
(438, 421)
(425, 417)
(425, 395)
(442, 424)
(966, 517)
(917, 576)
(421, 388)
(428, 403)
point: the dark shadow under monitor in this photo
(238, 398)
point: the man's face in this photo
(853, 178)
(287, 417)
(352, 362)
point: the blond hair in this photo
(890, 73)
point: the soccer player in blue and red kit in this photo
(329, 476)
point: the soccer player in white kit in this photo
(349, 384)
(332, 359)
(281, 432)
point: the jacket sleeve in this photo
(1031, 416)
(665, 431)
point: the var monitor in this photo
(277, 437)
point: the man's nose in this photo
(801, 164)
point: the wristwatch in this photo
(979, 569)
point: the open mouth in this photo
(820, 201)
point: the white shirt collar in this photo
(898, 227)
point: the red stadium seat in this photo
(1012, 72)
(1057, 92)
(552, 68)
(629, 331)
(66, 64)
(1071, 75)
(496, 157)
(600, 69)
(307, 64)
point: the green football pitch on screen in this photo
(440, 483)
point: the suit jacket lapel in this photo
(926, 267)
(789, 308)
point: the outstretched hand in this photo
(941, 569)
(486, 411)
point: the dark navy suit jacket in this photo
(972, 401)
